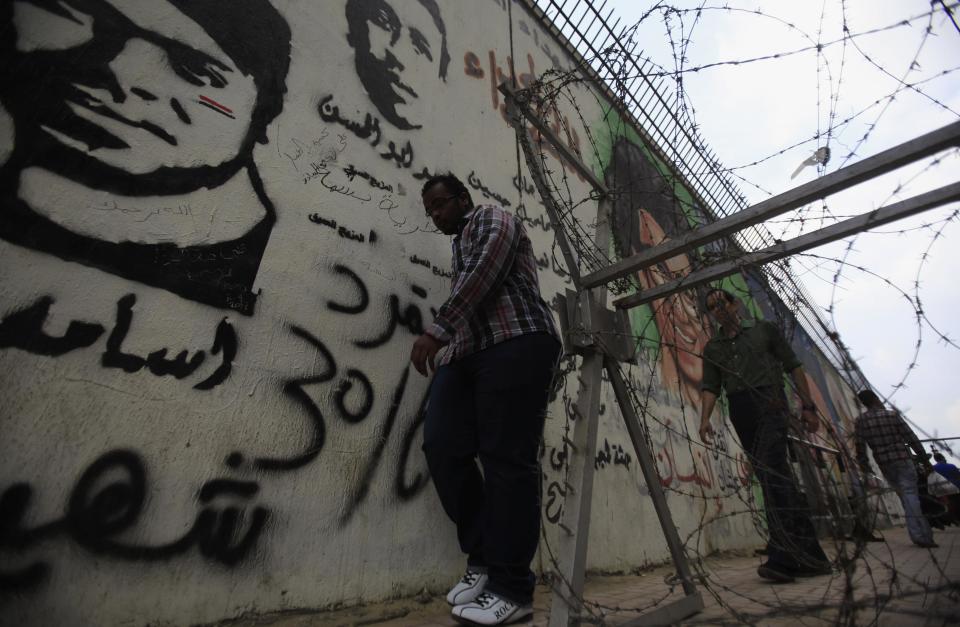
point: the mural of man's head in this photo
(84, 106)
(645, 214)
(142, 100)
(398, 58)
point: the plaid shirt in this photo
(888, 436)
(495, 294)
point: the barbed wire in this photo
(832, 487)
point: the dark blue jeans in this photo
(760, 419)
(490, 406)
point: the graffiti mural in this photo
(399, 61)
(647, 212)
(108, 499)
(213, 262)
(23, 329)
(104, 169)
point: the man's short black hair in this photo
(940, 458)
(868, 398)
(454, 185)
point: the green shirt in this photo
(757, 356)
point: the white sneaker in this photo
(468, 588)
(490, 609)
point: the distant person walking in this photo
(888, 436)
(747, 359)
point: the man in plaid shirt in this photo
(488, 401)
(888, 436)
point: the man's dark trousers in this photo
(491, 405)
(760, 418)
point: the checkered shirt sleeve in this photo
(495, 293)
(887, 435)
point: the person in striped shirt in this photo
(488, 401)
(888, 436)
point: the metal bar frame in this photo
(577, 504)
(881, 163)
(714, 189)
(575, 524)
(851, 226)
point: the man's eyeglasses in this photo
(438, 203)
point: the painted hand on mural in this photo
(399, 57)
(138, 158)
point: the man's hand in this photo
(708, 401)
(423, 352)
(706, 432)
(811, 421)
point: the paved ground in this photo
(907, 585)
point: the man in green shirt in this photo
(747, 360)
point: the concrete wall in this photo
(213, 262)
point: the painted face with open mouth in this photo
(681, 326)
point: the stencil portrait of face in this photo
(140, 120)
(399, 58)
(126, 116)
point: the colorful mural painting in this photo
(651, 206)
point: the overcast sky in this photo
(750, 111)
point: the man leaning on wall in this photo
(488, 401)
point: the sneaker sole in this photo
(470, 600)
(466, 621)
